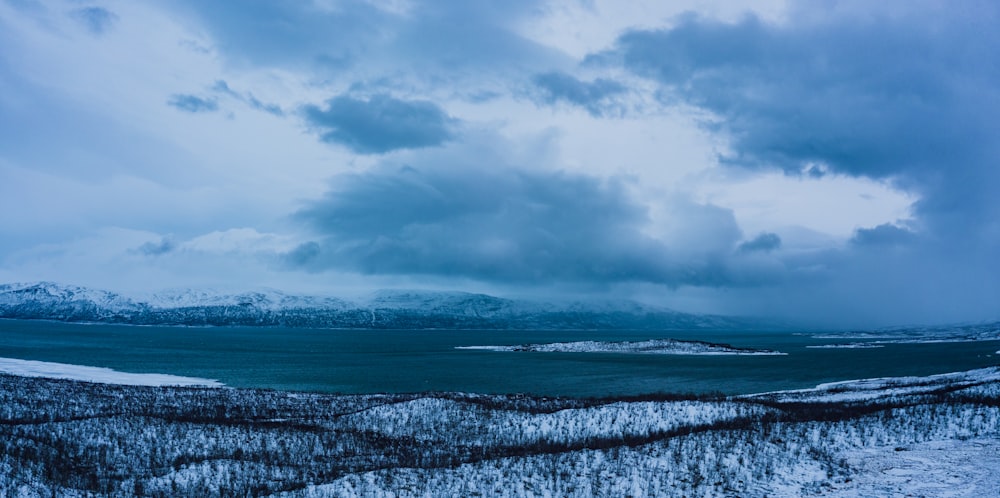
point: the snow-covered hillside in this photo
(933, 436)
(63, 302)
(390, 309)
(264, 299)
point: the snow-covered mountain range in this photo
(387, 309)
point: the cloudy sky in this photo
(828, 162)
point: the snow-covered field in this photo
(30, 368)
(654, 346)
(913, 436)
(950, 468)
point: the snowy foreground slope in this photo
(389, 309)
(930, 436)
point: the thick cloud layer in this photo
(905, 92)
(490, 222)
(476, 222)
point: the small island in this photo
(653, 346)
(848, 345)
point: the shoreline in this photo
(98, 375)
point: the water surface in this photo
(366, 361)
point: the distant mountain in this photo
(389, 309)
(966, 332)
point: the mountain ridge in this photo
(384, 309)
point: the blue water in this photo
(366, 361)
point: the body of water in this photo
(368, 361)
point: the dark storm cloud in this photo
(380, 124)
(906, 92)
(192, 103)
(883, 235)
(909, 95)
(98, 20)
(764, 242)
(493, 224)
(597, 97)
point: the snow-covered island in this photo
(848, 345)
(912, 436)
(653, 346)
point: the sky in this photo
(830, 163)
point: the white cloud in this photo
(833, 205)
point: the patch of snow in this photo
(490, 348)
(31, 368)
(951, 468)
